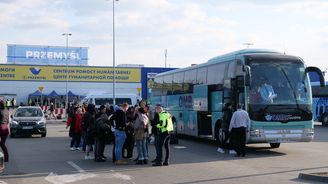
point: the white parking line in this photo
(79, 169)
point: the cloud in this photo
(192, 31)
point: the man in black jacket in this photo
(227, 114)
(154, 131)
(101, 127)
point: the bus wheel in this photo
(324, 119)
(220, 134)
(274, 145)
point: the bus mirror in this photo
(316, 70)
(247, 70)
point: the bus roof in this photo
(223, 58)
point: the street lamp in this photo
(67, 35)
(114, 52)
(165, 56)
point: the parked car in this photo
(2, 165)
(28, 120)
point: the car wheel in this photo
(274, 145)
(12, 135)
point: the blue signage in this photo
(46, 55)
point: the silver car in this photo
(28, 120)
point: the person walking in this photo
(165, 127)
(140, 136)
(89, 129)
(74, 122)
(119, 132)
(240, 123)
(52, 109)
(4, 131)
(226, 118)
(102, 127)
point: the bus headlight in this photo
(309, 132)
(256, 132)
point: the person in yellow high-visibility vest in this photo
(8, 104)
(165, 129)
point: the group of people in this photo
(125, 126)
(235, 126)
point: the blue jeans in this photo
(76, 139)
(120, 137)
(142, 149)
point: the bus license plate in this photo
(27, 127)
(282, 140)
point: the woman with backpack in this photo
(140, 136)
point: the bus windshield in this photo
(279, 83)
(279, 91)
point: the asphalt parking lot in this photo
(48, 160)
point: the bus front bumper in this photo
(280, 135)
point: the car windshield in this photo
(28, 112)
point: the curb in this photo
(314, 177)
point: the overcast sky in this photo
(192, 31)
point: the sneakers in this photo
(88, 157)
(72, 148)
(220, 150)
(232, 152)
(120, 162)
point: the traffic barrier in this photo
(58, 112)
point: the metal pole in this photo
(165, 55)
(114, 101)
(66, 34)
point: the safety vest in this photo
(166, 123)
(8, 103)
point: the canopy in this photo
(71, 94)
(37, 93)
(53, 94)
